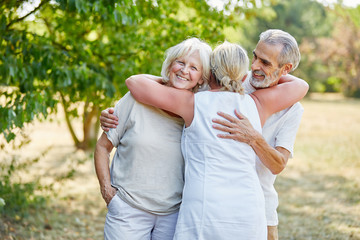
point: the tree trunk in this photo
(89, 125)
(68, 122)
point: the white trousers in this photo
(124, 222)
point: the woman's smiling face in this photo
(186, 72)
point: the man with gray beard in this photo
(275, 55)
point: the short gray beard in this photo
(268, 79)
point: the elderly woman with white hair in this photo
(222, 196)
(143, 188)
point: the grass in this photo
(319, 190)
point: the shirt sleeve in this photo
(286, 136)
(122, 110)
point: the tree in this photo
(302, 19)
(337, 56)
(78, 53)
(344, 58)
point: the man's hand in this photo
(108, 192)
(108, 119)
(239, 129)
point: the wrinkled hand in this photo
(108, 192)
(108, 119)
(238, 129)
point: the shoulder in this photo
(127, 99)
(124, 105)
(203, 95)
(296, 109)
(291, 115)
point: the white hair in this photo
(185, 48)
(290, 52)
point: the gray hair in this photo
(188, 47)
(290, 52)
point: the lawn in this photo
(319, 190)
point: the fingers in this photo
(230, 133)
(108, 119)
(232, 126)
(107, 122)
(222, 122)
(107, 114)
(108, 195)
(227, 116)
(110, 110)
(222, 128)
(105, 129)
(108, 199)
(227, 136)
(239, 115)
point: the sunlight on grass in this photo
(319, 190)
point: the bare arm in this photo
(178, 101)
(151, 77)
(101, 158)
(241, 130)
(287, 78)
(279, 97)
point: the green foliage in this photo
(17, 197)
(78, 53)
(346, 34)
(333, 84)
(331, 62)
(2, 204)
(302, 19)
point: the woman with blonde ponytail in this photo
(223, 65)
(222, 196)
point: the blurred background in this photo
(63, 61)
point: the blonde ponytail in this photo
(229, 63)
(231, 85)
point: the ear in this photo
(201, 81)
(244, 78)
(212, 77)
(286, 68)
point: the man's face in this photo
(265, 70)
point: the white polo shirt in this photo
(279, 130)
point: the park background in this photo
(63, 61)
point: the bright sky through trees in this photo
(29, 6)
(349, 3)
